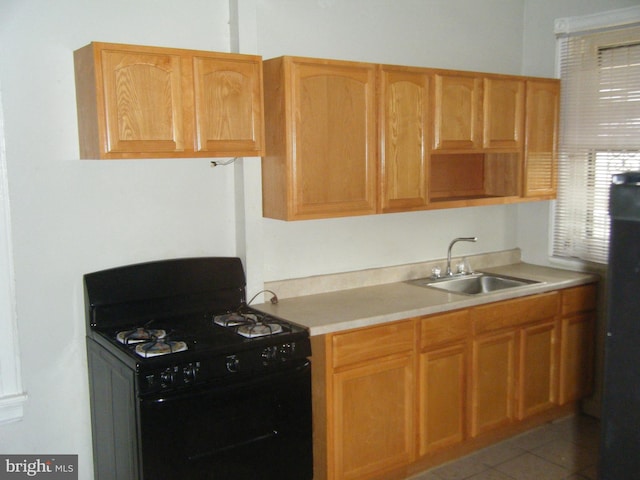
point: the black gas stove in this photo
(175, 342)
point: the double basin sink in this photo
(474, 283)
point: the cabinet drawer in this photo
(368, 343)
(579, 299)
(511, 313)
(447, 327)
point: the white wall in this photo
(70, 217)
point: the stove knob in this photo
(287, 350)
(189, 373)
(233, 363)
(269, 355)
(167, 377)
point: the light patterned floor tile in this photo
(532, 467)
(460, 469)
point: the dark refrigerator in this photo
(620, 421)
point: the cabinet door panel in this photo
(541, 138)
(442, 397)
(143, 102)
(373, 417)
(538, 367)
(334, 161)
(576, 353)
(492, 381)
(228, 99)
(503, 113)
(404, 129)
(458, 116)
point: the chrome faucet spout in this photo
(453, 242)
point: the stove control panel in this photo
(169, 377)
(222, 367)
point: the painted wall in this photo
(70, 217)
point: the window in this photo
(599, 134)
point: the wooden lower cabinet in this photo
(442, 397)
(492, 381)
(576, 351)
(537, 389)
(392, 398)
(373, 417)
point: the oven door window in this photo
(258, 428)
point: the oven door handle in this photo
(299, 369)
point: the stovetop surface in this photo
(203, 337)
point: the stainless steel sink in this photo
(474, 284)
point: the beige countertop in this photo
(359, 307)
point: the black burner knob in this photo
(189, 373)
(233, 363)
(167, 377)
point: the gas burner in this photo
(140, 334)
(254, 330)
(235, 319)
(159, 346)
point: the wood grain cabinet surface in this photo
(542, 117)
(352, 138)
(442, 380)
(321, 135)
(153, 102)
(405, 120)
(393, 399)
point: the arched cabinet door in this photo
(404, 133)
(321, 138)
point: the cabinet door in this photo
(333, 139)
(542, 106)
(441, 411)
(404, 125)
(373, 417)
(492, 381)
(228, 105)
(576, 357)
(503, 113)
(142, 102)
(538, 369)
(457, 112)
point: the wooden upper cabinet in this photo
(404, 129)
(228, 105)
(151, 102)
(321, 138)
(457, 111)
(503, 113)
(542, 110)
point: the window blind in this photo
(599, 135)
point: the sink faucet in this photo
(449, 273)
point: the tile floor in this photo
(565, 449)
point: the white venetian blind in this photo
(599, 135)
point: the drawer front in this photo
(444, 328)
(579, 299)
(516, 312)
(374, 342)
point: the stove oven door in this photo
(257, 428)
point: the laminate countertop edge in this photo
(331, 312)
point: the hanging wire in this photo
(215, 163)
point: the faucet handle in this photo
(436, 272)
(464, 267)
